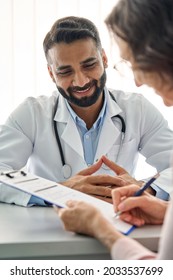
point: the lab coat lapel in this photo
(69, 132)
(108, 136)
(109, 132)
(72, 138)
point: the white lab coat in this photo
(28, 138)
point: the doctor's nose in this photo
(80, 79)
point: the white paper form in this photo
(58, 194)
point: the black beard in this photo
(85, 101)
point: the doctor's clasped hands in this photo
(101, 185)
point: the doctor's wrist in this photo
(151, 191)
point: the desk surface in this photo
(37, 233)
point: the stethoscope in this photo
(66, 168)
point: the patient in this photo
(143, 31)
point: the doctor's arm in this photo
(156, 146)
(163, 185)
(15, 149)
(164, 180)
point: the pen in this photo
(141, 190)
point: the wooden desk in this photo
(37, 233)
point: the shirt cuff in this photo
(36, 201)
(159, 192)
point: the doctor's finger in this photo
(105, 180)
(112, 165)
(92, 169)
(119, 194)
(104, 198)
(96, 190)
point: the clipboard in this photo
(56, 194)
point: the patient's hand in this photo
(82, 217)
(138, 210)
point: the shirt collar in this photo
(100, 118)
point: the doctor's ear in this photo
(106, 65)
(50, 72)
(104, 58)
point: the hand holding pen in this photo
(138, 209)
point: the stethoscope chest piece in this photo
(66, 171)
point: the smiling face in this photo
(163, 85)
(78, 69)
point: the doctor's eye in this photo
(89, 65)
(64, 73)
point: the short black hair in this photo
(70, 29)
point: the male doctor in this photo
(57, 137)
